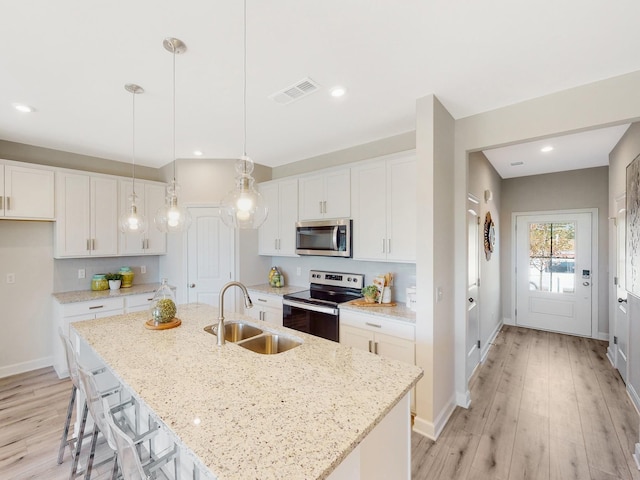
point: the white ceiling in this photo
(570, 152)
(70, 59)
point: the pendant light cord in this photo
(174, 114)
(133, 144)
(244, 87)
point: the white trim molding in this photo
(433, 430)
(487, 346)
(22, 367)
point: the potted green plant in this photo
(370, 293)
(115, 280)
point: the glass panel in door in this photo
(552, 257)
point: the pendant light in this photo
(131, 221)
(244, 207)
(172, 217)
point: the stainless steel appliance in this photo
(329, 238)
(315, 311)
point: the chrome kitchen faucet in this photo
(247, 302)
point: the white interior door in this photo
(621, 319)
(210, 255)
(554, 274)
(473, 310)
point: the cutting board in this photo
(362, 303)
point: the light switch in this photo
(11, 278)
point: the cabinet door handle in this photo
(388, 245)
(97, 306)
(370, 345)
(142, 241)
(88, 244)
(373, 325)
(384, 249)
(275, 243)
(1, 202)
(8, 203)
(375, 348)
(320, 205)
(324, 207)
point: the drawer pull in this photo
(375, 348)
(370, 342)
(97, 306)
(373, 325)
(261, 300)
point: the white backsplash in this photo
(65, 271)
(404, 274)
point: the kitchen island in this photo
(301, 414)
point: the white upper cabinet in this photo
(383, 196)
(277, 235)
(87, 215)
(26, 192)
(151, 197)
(325, 195)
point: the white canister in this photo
(411, 298)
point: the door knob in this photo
(586, 284)
(471, 300)
(622, 300)
(192, 285)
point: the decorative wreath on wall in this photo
(489, 235)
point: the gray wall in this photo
(575, 189)
(482, 176)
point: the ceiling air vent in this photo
(298, 90)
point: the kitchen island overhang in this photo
(241, 414)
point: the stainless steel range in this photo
(315, 311)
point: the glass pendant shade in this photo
(131, 221)
(244, 207)
(171, 217)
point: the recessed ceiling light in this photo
(338, 92)
(546, 149)
(197, 153)
(21, 107)
(515, 164)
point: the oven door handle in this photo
(308, 306)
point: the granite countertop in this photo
(266, 288)
(293, 415)
(88, 295)
(400, 312)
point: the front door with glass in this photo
(554, 274)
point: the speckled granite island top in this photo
(293, 415)
(88, 295)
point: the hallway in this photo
(544, 406)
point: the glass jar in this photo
(275, 278)
(99, 282)
(127, 277)
(272, 272)
(163, 305)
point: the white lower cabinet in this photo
(379, 335)
(68, 313)
(266, 308)
(138, 303)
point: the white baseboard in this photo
(611, 354)
(17, 368)
(463, 399)
(487, 346)
(602, 336)
(432, 430)
(508, 321)
(635, 399)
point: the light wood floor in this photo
(544, 406)
(33, 408)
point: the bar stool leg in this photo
(64, 441)
(94, 441)
(76, 456)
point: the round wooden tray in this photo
(362, 303)
(162, 326)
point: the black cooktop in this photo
(325, 296)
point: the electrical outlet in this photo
(11, 278)
(298, 271)
(81, 273)
(143, 269)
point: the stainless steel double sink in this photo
(255, 339)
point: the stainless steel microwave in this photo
(327, 238)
